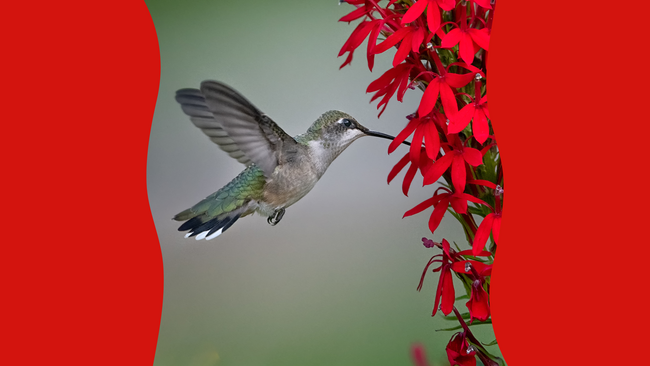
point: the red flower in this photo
(433, 12)
(411, 38)
(481, 268)
(356, 38)
(470, 39)
(426, 131)
(423, 165)
(456, 159)
(491, 223)
(418, 355)
(478, 304)
(440, 202)
(445, 290)
(441, 86)
(460, 352)
(393, 80)
(477, 110)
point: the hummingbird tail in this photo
(201, 229)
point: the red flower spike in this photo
(478, 304)
(459, 351)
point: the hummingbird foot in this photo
(276, 217)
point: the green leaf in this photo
(493, 343)
(450, 329)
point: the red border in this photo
(81, 264)
(568, 93)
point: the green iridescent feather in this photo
(246, 186)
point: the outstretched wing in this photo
(261, 139)
(193, 104)
(237, 126)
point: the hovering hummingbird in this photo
(280, 169)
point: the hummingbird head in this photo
(339, 128)
(334, 131)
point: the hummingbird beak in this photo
(383, 135)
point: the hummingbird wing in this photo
(237, 126)
(255, 133)
(193, 104)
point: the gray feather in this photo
(256, 135)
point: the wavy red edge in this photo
(568, 91)
(81, 264)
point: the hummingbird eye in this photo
(346, 122)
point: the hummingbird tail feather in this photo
(210, 229)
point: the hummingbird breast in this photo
(288, 185)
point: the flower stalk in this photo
(441, 48)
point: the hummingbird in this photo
(280, 169)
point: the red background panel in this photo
(82, 277)
(568, 100)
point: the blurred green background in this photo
(335, 282)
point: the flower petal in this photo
(392, 40)
(432, 140)
(416, 144)
(466, 48)
(480, 37)
(448, 100)
(408, 178)
(403, 50)
(448, 293)
(438, 213)
(354, 15)
(451, 39)
(429, 98)
(382, 81)
(420, 207)
(480, 127)
(461, 120)
(398, 167)
(496, 228)
(482, 234)
(433, 17)
(414, 11)
(406, 132)
(418, 37)
(447, 4)
(472, 156)
(459, 80)
(458, 173)
(438, 169)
